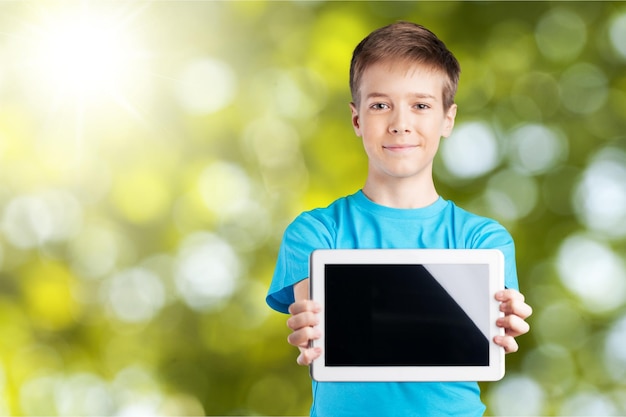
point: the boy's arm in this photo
(304, 317)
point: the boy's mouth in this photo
(399, 147)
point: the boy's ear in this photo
(448, 123)
(356, 123)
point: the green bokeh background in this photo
(143, 194)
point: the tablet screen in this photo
(401, 315)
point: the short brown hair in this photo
(408, 42)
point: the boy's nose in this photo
(399, 128)
(398, 124)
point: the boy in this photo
(403, 80)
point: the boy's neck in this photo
(404, 194)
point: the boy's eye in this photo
(422, 106)
(379, 106)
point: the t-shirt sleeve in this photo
(495, 236)
(305, 234)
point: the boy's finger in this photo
(302, 336)
(301, 320)
(512, 302)
(301, 306)
(308, 355)
(507, 342)
(513, 325)
(509, 294)
(516, 307)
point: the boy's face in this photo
(401, 119)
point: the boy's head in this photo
(405, 42)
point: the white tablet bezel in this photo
(491, 257)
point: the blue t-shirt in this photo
(355, 222)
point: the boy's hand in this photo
(304, 316)
(515, 313)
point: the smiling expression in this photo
(401, 119)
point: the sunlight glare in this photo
(84, 54)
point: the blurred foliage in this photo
(152, 153)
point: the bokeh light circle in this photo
(298, 93)
(40, 218)
(225, 188)
(553, 366)
(561, 323)
(510, 195)
(94, 251)
(561, 34)
(593, 272)
(617, 34)
(535, 149)
(588, 403)
(36, 396)
(207, 271)
(584, 88)
(615, 354)
(83, 394)
(471, 151)
(135, 295)
(517, 395)
(600, 197)
(206, 86)
(536, 95)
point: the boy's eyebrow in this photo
(376, 95)
(425, 95)
(415, 95)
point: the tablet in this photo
(408, 314)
